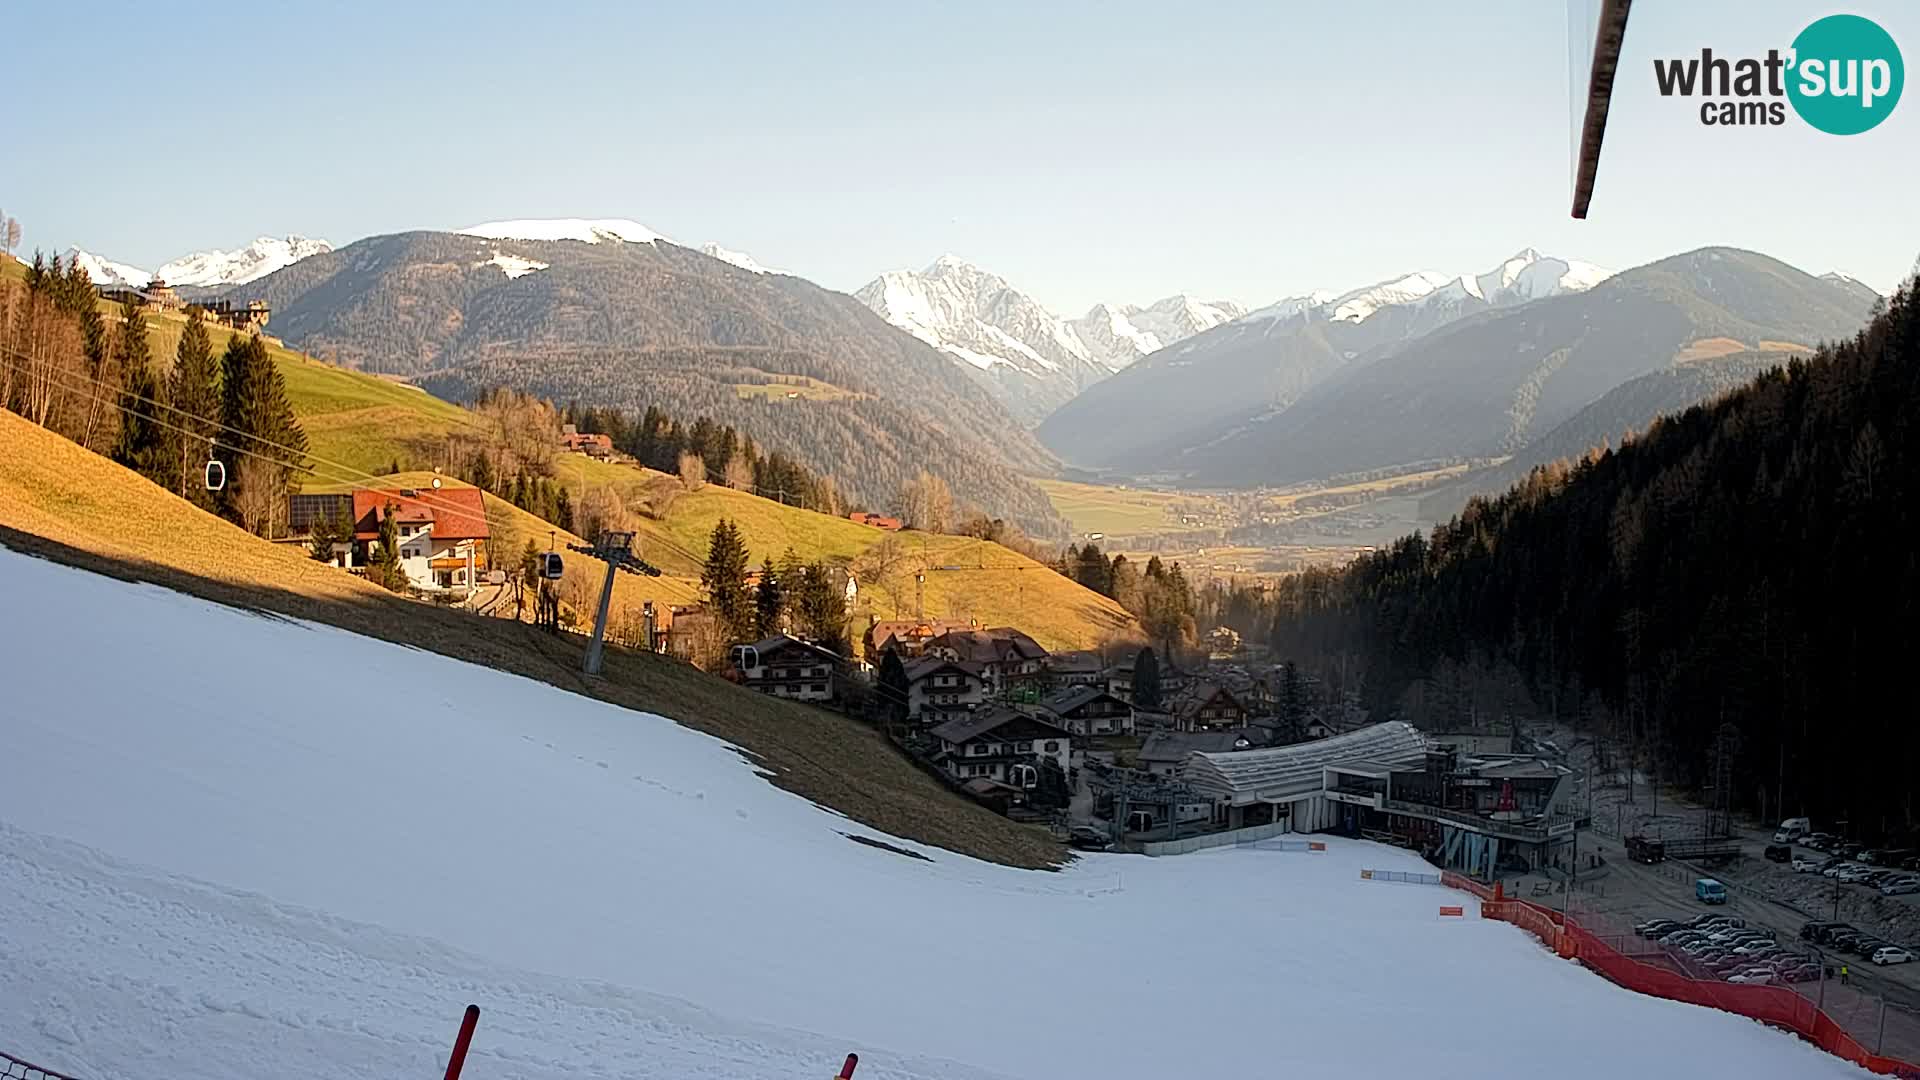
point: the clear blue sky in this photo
(1086, 152)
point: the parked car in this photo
(1844, 940)
(1652, 926)
(1849, 851)
(1816, 930)
(1088, 838)
(1900, 886)
(1759, 947)
(1835, 865)
(1853, 875)
(1871, 856)
(1818, 841)
(1910, 863)
(1891, 954)
(1802, 865)
(1752, 977)
(1867, 945)
(1801, 973)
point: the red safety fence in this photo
(1775, 1005)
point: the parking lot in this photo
(1769, 896)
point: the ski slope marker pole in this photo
(461, 1043)
(846, 1071)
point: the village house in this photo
(1009, 660)
(938, 689)
(248, 318)
(1119, 677)
(685, 627)
(1087, 710)
(1164, 752)
(443, 534)
(785, 667)
(594, 446)
(908, 637)
(306, 511)
(1081, 668)
(877, 521)
(1223, 642)
(1000, 744)
(1208, 706)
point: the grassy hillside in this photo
(964, 577)
(358, 423)
(61, 502)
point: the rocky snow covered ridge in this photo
(1035, 358)
(208, 269)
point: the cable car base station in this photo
(1477, 813)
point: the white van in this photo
(1792, 829)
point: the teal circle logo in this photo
(1846, 75)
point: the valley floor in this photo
(234, 845)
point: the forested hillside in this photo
(1615, 416)
(1738, 576)
(630, 325)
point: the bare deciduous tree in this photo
(601, 510)
(693, 471)
(739, 474)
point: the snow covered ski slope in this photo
(236, 846)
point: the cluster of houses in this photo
(574, 441)
(998, 715)
(246, 317)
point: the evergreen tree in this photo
(792, 570)
(1146, 680)
(768, 603)
(1093, 570)
(320, 539)
(894, 687)
(563, 510)
(725, 580)
(255, 409)
(383, 568)
(1294, 708)
(823, 608)
(194, 393)
(143, 444)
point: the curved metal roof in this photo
(1299, 769)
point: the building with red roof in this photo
(443, 533)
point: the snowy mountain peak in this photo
(1035, 358)
(1525, 275)
(738, 258)
(585, 230)
(105, 271)
(265, 255)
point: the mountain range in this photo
(1033, 359)
(207, 269)
(1429, 368)
(1188, 394)
(610, 313)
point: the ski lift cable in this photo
(355, 478)
(254, 454)
(114, 396)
